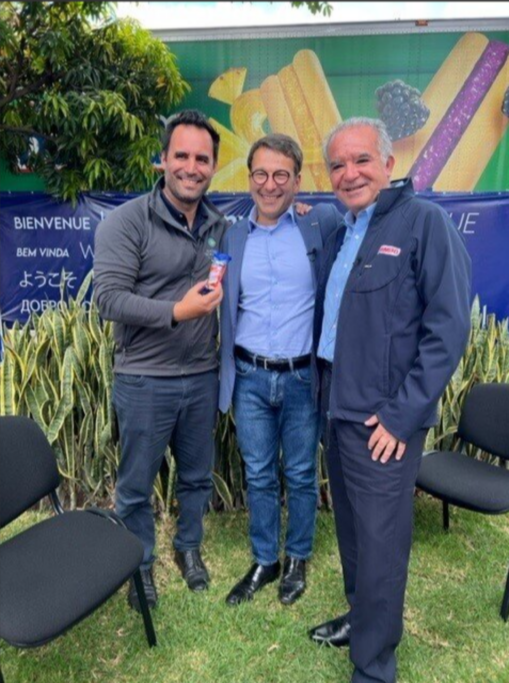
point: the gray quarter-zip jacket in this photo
(144, 263)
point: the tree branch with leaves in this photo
(324, 8)
(90, 88)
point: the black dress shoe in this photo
(256, 578)
(335, 632)
(147, 579)
(293, 581)
(193, 569)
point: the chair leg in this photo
(504, 610)
(445, 515)
(145, 612)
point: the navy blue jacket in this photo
(315, 228)
(404, 319)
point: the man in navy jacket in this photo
(266, 337)
(392, 320)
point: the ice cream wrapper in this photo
(217, 270)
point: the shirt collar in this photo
(288, 216)
(363, 216)
(201, 213)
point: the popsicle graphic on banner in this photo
(296, 101)
(299, 100)
(460, 119)
(466, 122)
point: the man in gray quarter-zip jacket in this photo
(152, 259)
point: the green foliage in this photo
(91, 87)
(58, 369)
(324, 8)
(485, 360)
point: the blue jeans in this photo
(152, 413)
(274, 411)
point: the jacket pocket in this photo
(380, 271)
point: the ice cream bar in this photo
(281, 120)
(447, 134)
(465, 123)
(298, 102)
(217, 271)
(479, 142)
(303, 119)
(317, 93)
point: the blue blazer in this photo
(315, 228)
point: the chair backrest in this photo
(28, 469)
(485, 418)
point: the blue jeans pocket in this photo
(131, 380)
(303, 374)
(243, 367)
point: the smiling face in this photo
(188, 166)
(356, 169)
(272, 199)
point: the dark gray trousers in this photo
(153, 412)
(373, 510)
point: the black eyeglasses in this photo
(279, 177)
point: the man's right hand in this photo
(302, 208)
(196, 305)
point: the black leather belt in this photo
(281, 365)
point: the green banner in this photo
(450, 136)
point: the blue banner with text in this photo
(47, 246)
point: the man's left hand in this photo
(382, 443)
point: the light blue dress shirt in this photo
(275, 316)
(355, 232)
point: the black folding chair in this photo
(60, 570)
(457, 479)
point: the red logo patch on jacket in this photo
(389, 251)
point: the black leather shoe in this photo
(335, 633)
(256, 578)
(293, 581)
(150, 590)
(193, 569)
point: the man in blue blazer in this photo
(266, 337)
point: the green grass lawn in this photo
(453, 630)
